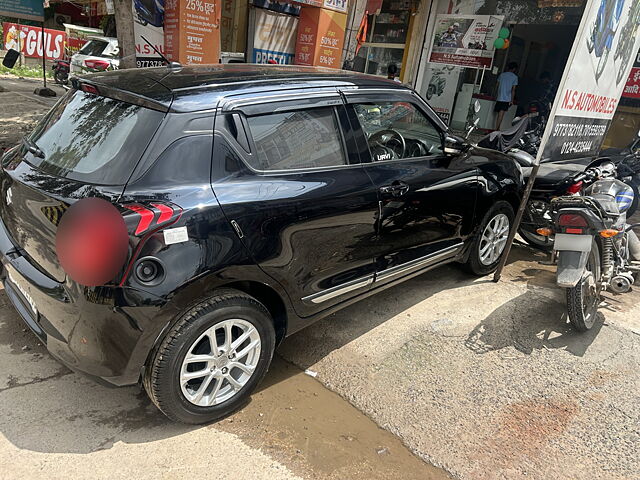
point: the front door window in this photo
(398, 130)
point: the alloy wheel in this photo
(494, 239)
(220, 362)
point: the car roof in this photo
(201, 87)
(104, 39)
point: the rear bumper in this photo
(104, 332)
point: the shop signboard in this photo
(632, 88)
(274, 37)
(192, 31)
(337, 5)
(442, 88)
(320, 37)
(27, 9)
(76, 37)
(465, 40)
(148, 22)
(28, 40)
(594, 79)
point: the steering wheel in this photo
(389, 140)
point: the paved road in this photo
(20, 108)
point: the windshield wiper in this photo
(32, 147)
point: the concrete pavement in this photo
(488, 380)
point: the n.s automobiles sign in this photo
(29, 41)
(594, 80)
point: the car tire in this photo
(190, 339)
(478, 263)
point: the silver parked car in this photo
(98, 54)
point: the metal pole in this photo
(44, 68)
(516, 222)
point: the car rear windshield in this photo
(94, 48)
(93, 139)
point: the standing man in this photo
(507, 83)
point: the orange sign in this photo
(320, 37)
(192, 31)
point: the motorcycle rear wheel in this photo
(584, 298)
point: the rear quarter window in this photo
(299, 139)
(94, 48)
(93, 139)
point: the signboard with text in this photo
(320, 37)
(27, 9)
(442, 88)
(77, 36)
(274, 38)
(632, 88)
(192, 31)
(337, 5)
(593, 80)
(28, 40)
(465, 40)
(148, 23)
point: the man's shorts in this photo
(501, 106)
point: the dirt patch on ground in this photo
(318, 434)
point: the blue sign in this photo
(263, 56)
(27, 9)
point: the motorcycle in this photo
(61, 69)
(436, 85)
(558, 179)
(600, 41)
(595, 248)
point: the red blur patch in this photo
(92, 242)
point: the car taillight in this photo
(152, 216)
(143, 220)
(575, 188)
(85, 87)
(96, 64)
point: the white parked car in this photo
(98, 54)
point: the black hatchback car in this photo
(257, 199)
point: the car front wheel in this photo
(491, 240)
(212, 359)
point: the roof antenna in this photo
(173, 66)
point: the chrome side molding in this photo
(387, 274)
(418, 262)
(338, 290)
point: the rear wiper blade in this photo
(32, 147)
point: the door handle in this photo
(397, 189)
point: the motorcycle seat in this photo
(504, 140)
(552, 175)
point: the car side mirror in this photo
(454, 145)
(476, 106)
